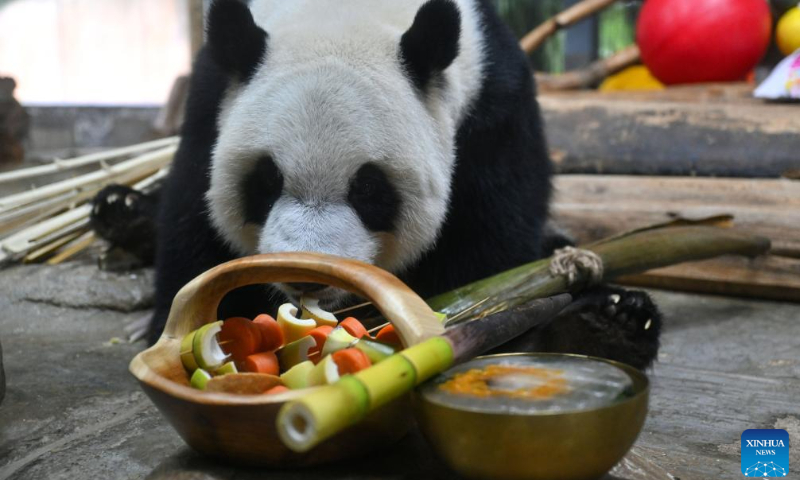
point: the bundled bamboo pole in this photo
(311, 419)
(123, 172)
(63, 165)
(35, 239)
(29, 214)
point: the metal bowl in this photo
(566, 445)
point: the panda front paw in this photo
(126, 219)
(608, 322)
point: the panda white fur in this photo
(330, 95)
(402, 133)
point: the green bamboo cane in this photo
(317, 416)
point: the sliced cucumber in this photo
(325, 372)
(293, 328)
(187, 352)
(205, 345)
(311, 309)
(297, 376)
(376, 351)
(295, 352)
(229, 367)
(337, 340)
(200, 379)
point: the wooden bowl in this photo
(240, 428)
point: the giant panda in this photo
(402, 133)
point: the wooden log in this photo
(767, 277)
(592, 207)
(683, 132)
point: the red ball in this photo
(689, 41)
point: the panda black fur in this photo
(427, 108)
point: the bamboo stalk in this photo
(63, 165)
(55, 228)
(568, 17)
(75, 247)
(325, 412)
(594, 73)
(46, 250)
(28, 239)
(126, 171)
(313, 418)
(636, 252)
(29, 214)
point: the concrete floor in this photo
(72, 410)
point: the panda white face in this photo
(327, 146)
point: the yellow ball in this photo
(637, 77)
(787, 34)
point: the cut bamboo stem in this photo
(325, 412)
(570, 16)
(64, 165)
(19, 217)
(26, 216)
(55, 228)
(28, 239)
(591, 75)
(123, 172)
(77, 246)
(48, 249)
(637, 252)
(304, 423)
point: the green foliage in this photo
(525, 15)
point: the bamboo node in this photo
(577, 265)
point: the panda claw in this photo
(112, 198)
(614, 298)
(130, 199)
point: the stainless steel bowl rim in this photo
(636, 376)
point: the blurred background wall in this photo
(94, 52)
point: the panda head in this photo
(334, 137)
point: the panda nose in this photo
(307, 287)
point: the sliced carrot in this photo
(320, 334)
(276, 389)
(264, 362)
(239, 337)
(353, 327)
(271, 333)
(351, 360)
(389, 335)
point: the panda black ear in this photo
(237, 44)
(431, 44)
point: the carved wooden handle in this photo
(196, 303)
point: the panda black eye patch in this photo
(374, 198)
(261, 188)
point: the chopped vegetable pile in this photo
(268, 356)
